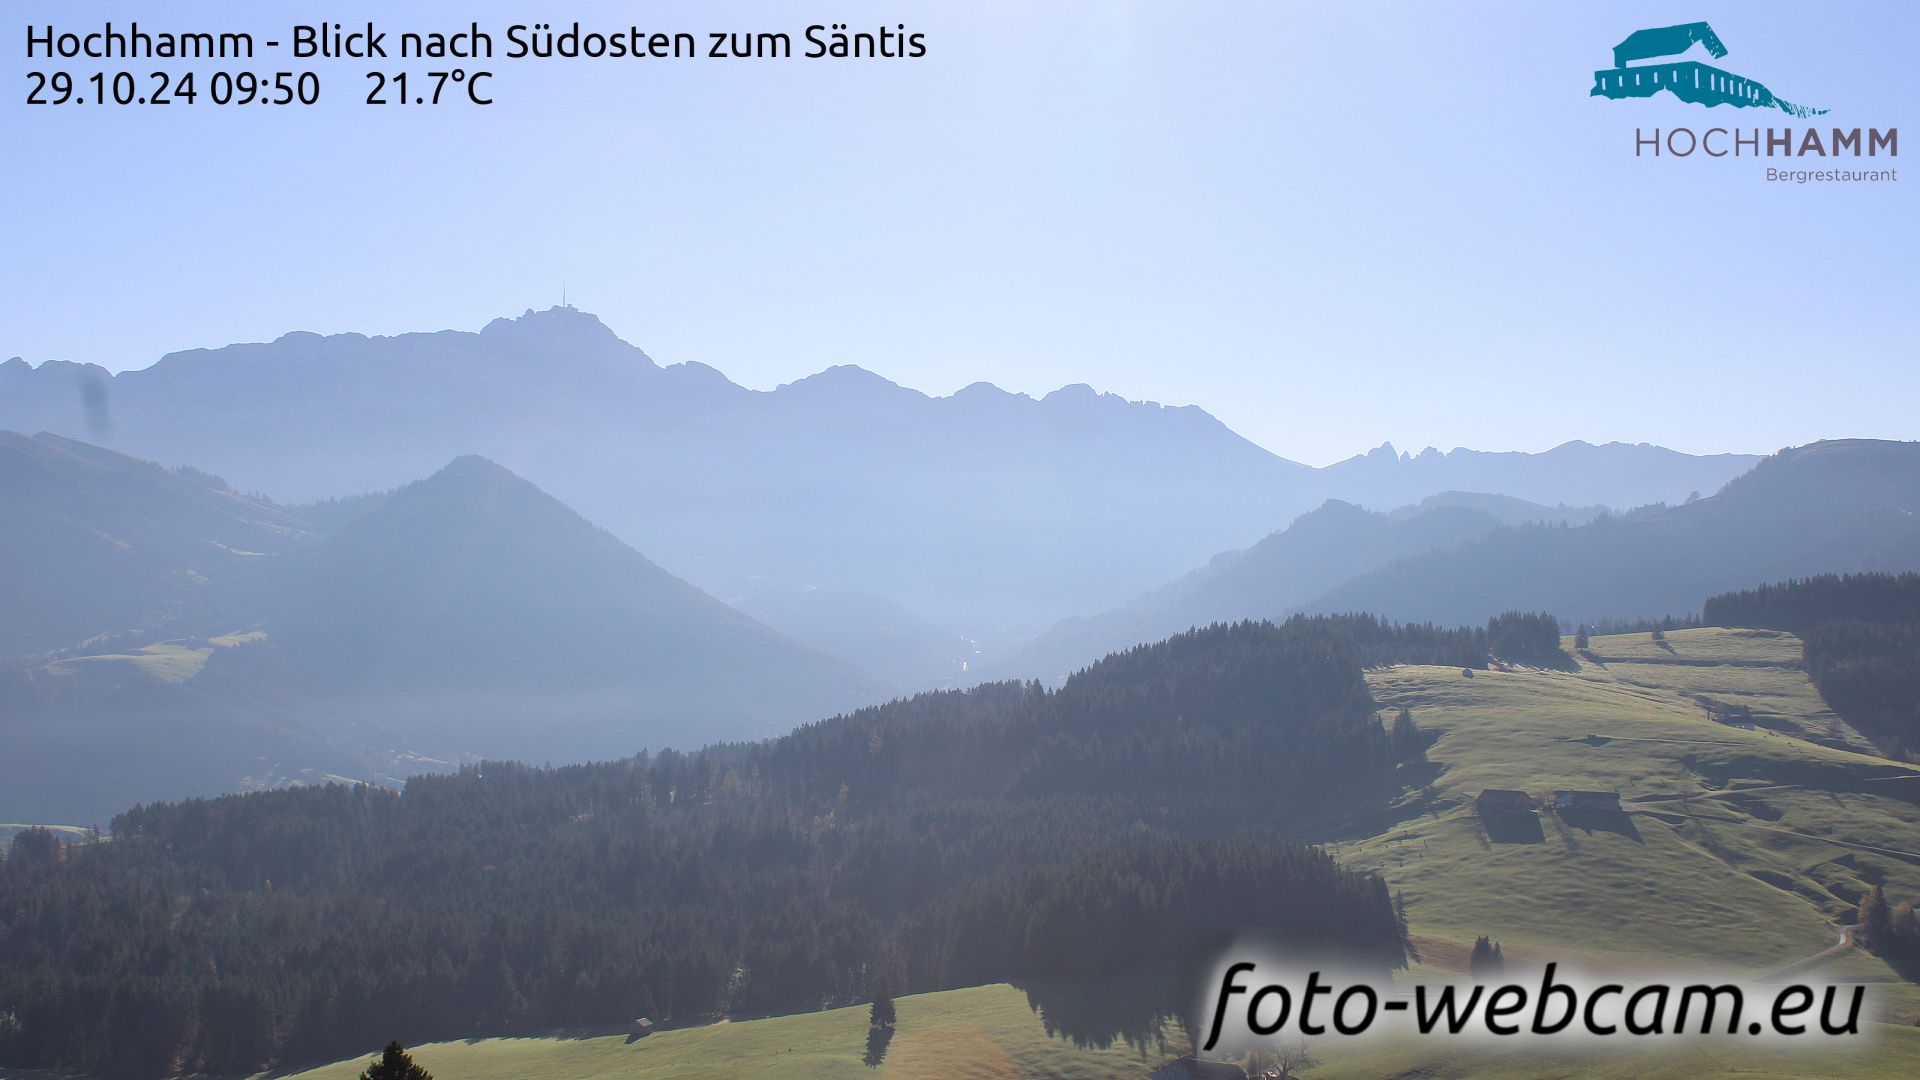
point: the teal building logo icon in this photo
(1688, 80)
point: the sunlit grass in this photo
(168, 661)
(986, 1032)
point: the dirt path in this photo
(1659, 812)
(1845, 942)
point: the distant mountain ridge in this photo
(1840, 506)
(1618, 475)
(1275, 577)
(990, 512)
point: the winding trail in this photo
(1845, 943)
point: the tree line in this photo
(1860, 636)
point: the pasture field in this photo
(167, 661)
(1740, 847)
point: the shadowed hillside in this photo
(181, 639)
(94, 543)
(470, 611)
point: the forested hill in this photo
(1800, 606)
(1002, 833)
(1860, 637)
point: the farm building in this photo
(1192, 1068)
(640, 1028)
(1503, 801)
(1586, 800)
(1741, 718)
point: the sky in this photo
(1330, 224)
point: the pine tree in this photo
(883, 1015)
(1400, 920)
(395, 1064)
(1875, 917)
(1406, 734)
(1486, 958)
(1580, 639)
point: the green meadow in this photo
(982, 1033)
(1745, 848)
(1742, 851)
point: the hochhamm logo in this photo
(1688, 80)
(1651, 61)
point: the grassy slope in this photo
(1733, 859)
(986, 1032)
(167, 661)
(1731, 856)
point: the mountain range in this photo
(987, 514)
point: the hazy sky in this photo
(1328, 223)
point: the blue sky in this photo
(1330, 224)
